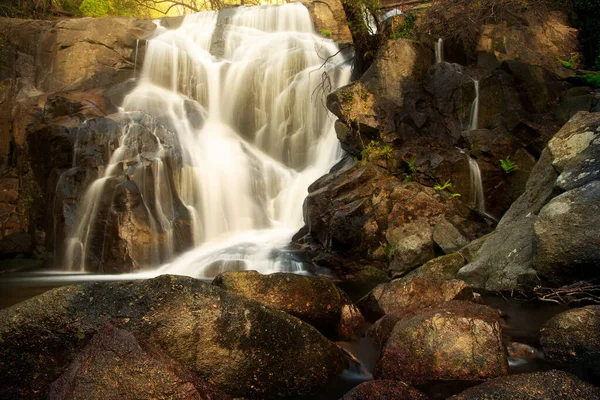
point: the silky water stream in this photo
(235, 98)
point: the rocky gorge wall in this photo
(406, 194)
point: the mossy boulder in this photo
(239, 345)
(314, 299)
(457, 341)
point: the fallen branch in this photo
(580, 292)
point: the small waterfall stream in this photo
(439, 51)
(246, 134)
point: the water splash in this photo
(236, 89)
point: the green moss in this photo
(592, 80)
(406, 29)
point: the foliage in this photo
(592, 80)
(508, 166)
(406, 29)
(41, 9)
(325, 32)
(377, 150)
(446, 185)
(462, 21)
(411, 165)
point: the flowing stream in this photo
(241, 90)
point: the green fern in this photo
(508, 166)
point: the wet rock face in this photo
(548, 235)
(244, 348)
(115, 366)
(384, 389)
(536, 386)
(572, 340)
(315, 300)
(361, 213)
(411, 294)
(458, 341)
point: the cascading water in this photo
(239, 90)
(439, 51)
(474, 117)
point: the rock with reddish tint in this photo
(380, 331)
(521, 350)
(239, 345)
(384, 389)
(363, 215)
(411, 294)
(314, 299)
(457, 341)
(535, 386)
(572, 340)
(115, 366)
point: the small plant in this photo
(405, 30)
(326, 33)
(445, 186)
(411, 165)
(508, 166)
(377, 149)
(592, 80)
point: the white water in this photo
(474, 117)
(439, 51)
(260, 137)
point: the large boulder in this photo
(545, 236)
(239, 345)
(384, 389)
(572, 340)
(314, 299)
(115, 366)
(535, 386)
(80, 53)
(367, 216)
(411, 294)
(458, 341)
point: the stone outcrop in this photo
(244, 348)
(361, 214)
(315, 300)
(330, 20)
(56, 74)
(458, 341)
(550, 231)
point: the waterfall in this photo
(238, 92)
(476, 185)
(474, 117)
(439, 51)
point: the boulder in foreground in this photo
(242, 347)
(457, 341)
(314, 299)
